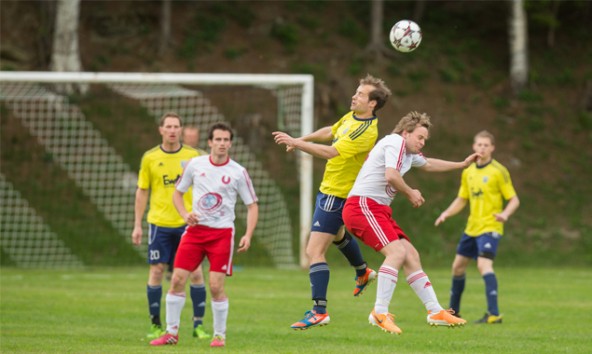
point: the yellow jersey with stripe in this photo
(485, 187)
(353, 138)
(159, 172)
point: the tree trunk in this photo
(554, 24)
(376, 46)
(518, 40)
(165, 27)
(418, 11)
(376, 22)
(65, 53)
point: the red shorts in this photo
(201, 241)
(371, 222)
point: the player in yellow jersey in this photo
(484, 185)
(160, 169)
(190, 138)
(351, 138)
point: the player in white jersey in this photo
(216, 180)
(367, 214)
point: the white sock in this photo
(174, 306)
(420, 283)
(220, 314)
(387, 281)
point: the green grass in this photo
(103, 310)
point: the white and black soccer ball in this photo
(405, 36)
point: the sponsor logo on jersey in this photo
(170, 181)
(477, 194)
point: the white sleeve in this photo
(418, 160)
(245, 189)
(393, 152)
(186, 179)
(390, 156)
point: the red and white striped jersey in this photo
(388, 152)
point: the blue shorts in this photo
(484, 245)
(327, 215)
(163, 243)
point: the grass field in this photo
(104, 311)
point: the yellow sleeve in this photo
(463, 191)
(336, 126)
(144, 174)
(506, 186)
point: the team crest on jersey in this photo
(209, 202)
(485, 179)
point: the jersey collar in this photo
(219, 164)
(363, 119)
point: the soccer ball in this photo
(405, 36)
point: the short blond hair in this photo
(485, 134)
(411, 121)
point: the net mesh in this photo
(93, 164)
(26, 237)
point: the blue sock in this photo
(198, 297)
(458, 286)
(351, 250)
(491, 293)
(154, 294)
(319, 282)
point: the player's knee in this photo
(343, 241)
(217, 290)
(395, 252)
(156, 272)
(314, 254)
(178, 281)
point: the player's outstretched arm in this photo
(317, 150)
(438, 165)
(322, 135)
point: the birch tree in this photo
(518, 40)
(65, 53)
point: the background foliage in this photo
(459, 75)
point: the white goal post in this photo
(18, 88)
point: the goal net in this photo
(98, 138)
